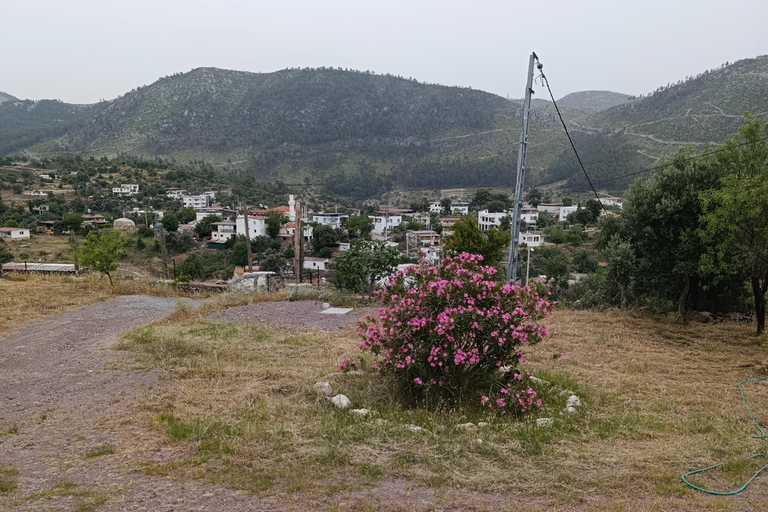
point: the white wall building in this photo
(487, 220)
(257, 226)
(175, 193)
(611, 201)
(531, 239)
(14, 233)
(335, 220)
(129, 189)
(380, 224)
(529, 215)
(223, 231)
(195, 202)
(311, 263)
(435, 208)
(460, 207)
(565, 211)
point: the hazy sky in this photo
(84, 50)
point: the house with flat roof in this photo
(14, 233)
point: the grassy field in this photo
(659, 400)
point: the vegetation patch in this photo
(8, 480)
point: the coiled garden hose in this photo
(761, 436)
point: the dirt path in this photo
(64, 399)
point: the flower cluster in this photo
(348, 364)
(450, 328)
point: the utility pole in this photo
(298, 242)
(514, 244)
(164, 252)
(528, 266)
(247, 236)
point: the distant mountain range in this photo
(362, 133)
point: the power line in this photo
(679, 161)
(546, 82)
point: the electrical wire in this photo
(761, 436)
(679, 161)
(546, 82)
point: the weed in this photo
(8, 480)
(98, 452)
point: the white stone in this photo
(573, 401)
(341, 401)
(323, 388)
(478, 441)
(326, 305)
(544, 422)
(570, 409)
(355, 372)
(566, 392)
(336, 311)
(505, 369)
(537, 380)
(360, 413)
(415, 428)
(482, 424)
(467, 426)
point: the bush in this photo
(446, 331)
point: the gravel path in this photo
(68, 397)
(305, 313)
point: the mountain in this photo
(360, 133)
(593, 101)
(4, 96)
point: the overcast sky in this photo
(81, 51)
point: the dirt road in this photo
(64, 400)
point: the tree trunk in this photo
(759, 293)
(680, 317)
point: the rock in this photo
(355, 372)
(566, 392)
(544, 422)
(478, 441)
(239, 271)
(415, 428)
(505, 369)
(482, 424)
(573, 401)
(537, 380)
(380, 422)
(326, 305)
(467, 426)
(323, 388)
(360, 413)
(570, 409)
(341, 401)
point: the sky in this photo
(83, 51)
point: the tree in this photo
(170, 223)
(272, 261)
(273, 222)
(661, 222)
(468, 238)
(735, 219)
(620, 270)
(364, 263)
(534, 196)
(359, 225)
(583, 262)
(101, 252)
(203, 228)
(558, 270)
(555, 235)
(323, 236)
(445, 204)
(187, 215)
(5, 255)
(582, 216)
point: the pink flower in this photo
(484, 399)
(417, 380)
(500, 402)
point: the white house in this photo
(435, 208)
(382, 223)
(316, 263)
(257, 226)
(224, 213)
(565, 211)
(195, 202)
(126, 190)
(531, 239)
(223, 231)
(611, 201)
(487, 220)
(14, 233)
(175, 193)
(460, 207)
(334, 220)
(529, 215)
(549, 208)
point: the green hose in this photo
(761, 436)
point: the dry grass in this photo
(25, 298)
(660, 399)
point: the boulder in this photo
(323, 388)
(341, 401)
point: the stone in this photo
(566, 392)
(326, 305)
(355, 372)
(323, 388)
(570, 409)
(360, 413)
(415, 428)
(573, 401)
(544, 422)
(341, 401)
(254, 281)
(478, 441)
(336, 311)
(467, 426)
(537, 380)
(482, 424)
